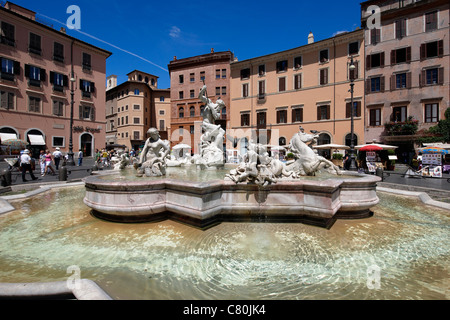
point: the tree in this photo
(443, 127)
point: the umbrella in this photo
(371, 148)
(332, 146)
(15, 143)
(435, 151)
(181, 146)
(382, 146)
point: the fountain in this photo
(259, 189)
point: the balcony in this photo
(58, 58)
(7, 76)
(8, 41)
(402, 128)
(35, 50)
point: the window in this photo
(224, 73)
(261, 70)
(297, 62)
(58, 52)
(58, 80)
(192, 93)
(191, 129)
(87, 87)
(192, 111)
(162, 112)
(432, 76)
(375, 117)
(375, 60)
(282, 116)
(181, 112)
(181, 79)
(401, 55)
(261, 89)
(224, 91)
(9, 69)
(192, 77)
(245, 73)
(431, 21)
(431, 112)
(245, 90)
(136, 135)
(7, 35)
(140, 77)
(282, 141)
(202, 76)
(356, 109)
(35, 44)
(400, 28)
(224, 113)
(6, 100)
(400, 81)
(353, 48)
(323, 112)
(375, 36)
(136, 107)
(136, 92)
(375, 84)
(261, 120)
(245, 120)
(282, 84)
(86, 62)
(136, 120)
(58, 108)
(323, 56)
(34, 104)
(162, 126)
(282, 66)
(297, 115)
(323, 76)
(217, 91)
(161, 99)
(432, 49)
(399, 114)
(58, 142)
(181, 95)
(35, 75)
(298, 81)
(217, 73)
(126, 119)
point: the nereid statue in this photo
(152, 159)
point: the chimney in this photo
(111, 82)
(310, 38)
(63, 30)
(212, 50)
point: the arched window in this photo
(324, 138)
(282, 141)
(348, 139)
(181, 112)
(161, 99)
(192, 112)
(136, 92)
(202, 109)
(153, 82)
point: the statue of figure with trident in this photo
(213, 135)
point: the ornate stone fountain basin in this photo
(205, 204)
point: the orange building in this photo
(187, 77)
(39, 68)
(273, 95)
(135, 106)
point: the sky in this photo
(146, 35)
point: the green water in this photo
(405, 241)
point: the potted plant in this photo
(290, 156)
(337, 159)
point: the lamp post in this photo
(71, 161)
(353, 166)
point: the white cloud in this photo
(174, 32)
(339, 32)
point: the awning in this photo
(7, 136)
(36, 140)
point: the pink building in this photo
(40, 67)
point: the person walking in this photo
(49, 162)
(42, 162)
(57, 156)
(25, 163)
(80, 158)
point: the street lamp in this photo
(353, 166)
(71, 161)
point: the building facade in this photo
(407, 70)
(40, 67)
(274, 95)
(187, 77)
(133, 107)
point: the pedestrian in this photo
(25, 163)
(48, 162)
(57, 155)
(42, 162)
(80, 158)
(105, 158)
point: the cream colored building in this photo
(308, 86)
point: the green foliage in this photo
(409, 127)
(290, 155)
(337, 156)
(440, 132)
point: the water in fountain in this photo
(167, 260)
